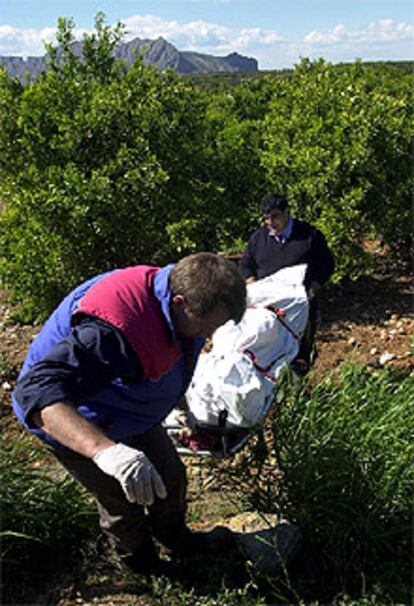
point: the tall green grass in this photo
(344, 455)
(46, 520)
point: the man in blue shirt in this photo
(108, 366)
(284, 241)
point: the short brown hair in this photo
(208, 281)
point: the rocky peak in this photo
(158, 52)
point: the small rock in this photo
(271, 550)
(251, 521)
(373, 351)
(6, 386)
(386, 357)
(375, 364)
(352, 341)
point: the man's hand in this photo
(134, 471)
(313, 289)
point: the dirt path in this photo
(370, 322)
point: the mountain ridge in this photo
(159, 52)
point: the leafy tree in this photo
(104, 166)
(104, 160)
(340, 151)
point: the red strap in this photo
(262, 371)
(281, 315)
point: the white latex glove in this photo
(134, 471)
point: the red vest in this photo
(125, 299)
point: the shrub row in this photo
(101, 166)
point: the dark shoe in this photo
(299, 366)
(219, 540)
(146, 562)
(142, 560)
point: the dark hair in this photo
(272, 202)
(208, 281)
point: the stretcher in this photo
(219, 440)
(236, 383)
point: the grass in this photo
(345, 451)
(337, 459)
(45, 521)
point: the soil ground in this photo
(369, 321)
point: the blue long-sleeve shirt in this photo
(82, 364)
(93, 366)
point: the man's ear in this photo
(178, 299)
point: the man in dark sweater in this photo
(282, 242)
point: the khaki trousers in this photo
(132, 525)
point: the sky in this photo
(275, 32)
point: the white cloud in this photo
(384, 39)
(373, 41)
(385, 30)
(201, 36)
(25, 42)
(184, 35)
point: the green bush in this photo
(103, 166)
(101, 162)
(46, 522)
(339, 144)
(337, 459)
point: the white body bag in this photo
(240, 372)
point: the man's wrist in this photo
(101, 446)
(314, 288)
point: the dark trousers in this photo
(132, 525)
(307, 342)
